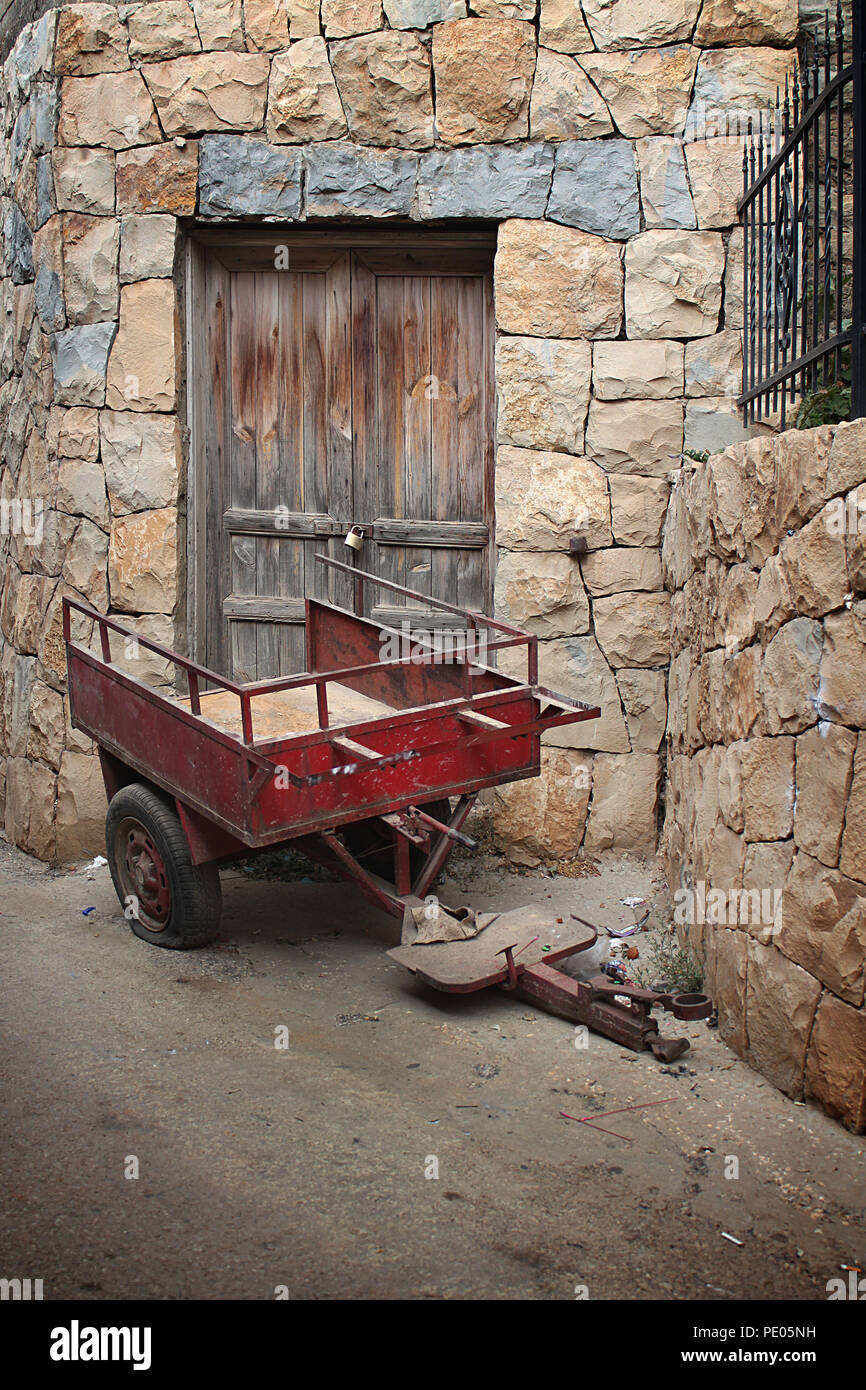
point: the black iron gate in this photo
(803, 267)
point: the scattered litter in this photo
(632, 953)
(98, 863)
(732, 1239)
(86, 911)
(619, 932)
(172, 1052)
(632, 902)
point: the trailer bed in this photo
(285, 713)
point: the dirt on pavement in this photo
(310, 1168)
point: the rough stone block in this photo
(341, 19)
(141, 459)
(836, 1065)
(815, 564)
(142, 562)
(595, 188)
(544, 817)
(624, 812)
(781, 999)
(731, 80)
(420, 14)
(825, 758)
(576, 667)
(164, 29)
(158, 178)
(673, 284)
(621, 570)
(303, 101)
(240, 177)
(90, 39)
(790, 675)
(384, 84)
(90, 249)
(634, 370)
(84, 180)
(824, 926)
(489, 99)
(562, 27)
(79, 358)
(344, 180)
(626, 24)
(267, 25)
(556, 282)
(633, 629)
(219, 23)
(767, 773)
(485, 181)
(147, 246)
(747, 21)
(207, 92)
(543, 499)
(644, 699)
(716, 179)
(81, 808)
(664, 189)
(142, 368)
(564, 104)
(726, 983)
(853, 861)
(81, 490)
(643, 437)
(842, 689)
(543, 388)
(113, 109)
(846, 465)
(646, 90)
(638, 508)
(714, 365)
(30, 795)
(541, 593)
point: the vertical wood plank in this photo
(472, 498)
(340, 480)
(314, 331)
(418, 487)
(244, 386)
(291, 459)
(213, 435)
(445, 460)
(365, 424)
(391, 410)
(267, 412)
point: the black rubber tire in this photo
(193, 891)
(365, 840)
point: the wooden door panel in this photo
(342, 393)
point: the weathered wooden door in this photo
(354, 387)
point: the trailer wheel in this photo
(168, 900)
(374, 850)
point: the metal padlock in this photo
(355, 537)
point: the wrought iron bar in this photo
(797, 338)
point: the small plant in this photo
(828, 406)
(698, 455)
(669, 963)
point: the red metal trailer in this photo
(355, 762)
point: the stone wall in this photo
(765, 835)
(617, 290)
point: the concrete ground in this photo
(305, 1169)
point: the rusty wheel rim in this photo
(142, 874)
